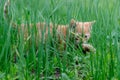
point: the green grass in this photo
(26, 62)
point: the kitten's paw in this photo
(88, 48)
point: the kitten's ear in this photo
(72, 23)
(89, 24)
(92, 22)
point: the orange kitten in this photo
(81, 30)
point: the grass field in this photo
(20, 61)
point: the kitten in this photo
(81, 30)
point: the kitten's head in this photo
(82, 30)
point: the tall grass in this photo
(21, 59)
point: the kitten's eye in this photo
(76, 38)
(85, 36)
